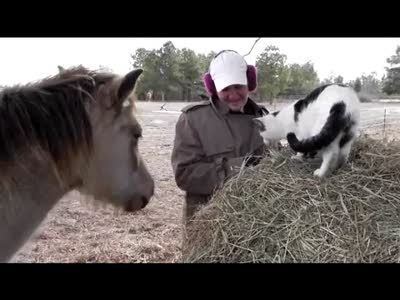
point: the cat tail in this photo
(336, 122)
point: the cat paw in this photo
(295, 157)
(317, 173)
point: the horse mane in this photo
(50, 116)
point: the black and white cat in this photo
(323, 123)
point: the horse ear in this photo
(60, 69)
(128, 83)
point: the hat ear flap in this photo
(209, 84)
(251, 78)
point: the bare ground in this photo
(78, 231)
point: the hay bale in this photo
(278, 212)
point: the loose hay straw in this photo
(278, 212)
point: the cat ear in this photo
(259, 124)
(275, 113)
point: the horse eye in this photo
(136, 134)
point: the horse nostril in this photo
(145, 201)
(130, 207)
(152, 187)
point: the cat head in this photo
(270, 127)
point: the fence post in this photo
(384, 123)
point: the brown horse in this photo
(75, 130)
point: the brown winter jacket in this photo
(210, 141)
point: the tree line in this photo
(176, 74)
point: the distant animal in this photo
(149, 95)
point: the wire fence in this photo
(381, 120)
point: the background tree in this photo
(272, 73)
(190, 72)
(391, 84)
(301, 79)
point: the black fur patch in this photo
(336, 122)
(310, 154)
(303, 103)
(347, 135)
(338, 109)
